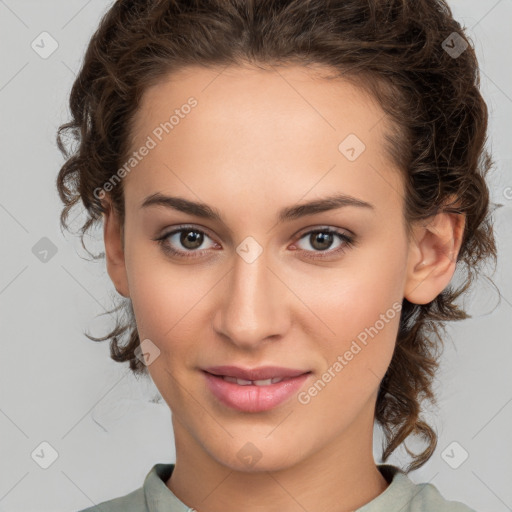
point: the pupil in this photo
(325, 238)
(191, 236)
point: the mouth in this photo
(244, 382)
(255, 375)
(256, 394)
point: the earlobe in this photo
(432, 259)
(114, 251)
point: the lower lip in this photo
(253, 398)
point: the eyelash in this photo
(348, 242)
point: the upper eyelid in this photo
(324, 227)
(178, 229)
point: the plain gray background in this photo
(107, 429)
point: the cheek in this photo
(166, 307)
(359, 307)
(350, 299)
(169, 306)
(160, 295)
(357, 356)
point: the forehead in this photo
(260, 130)
(236, 95)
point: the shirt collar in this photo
(397, 496)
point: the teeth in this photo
(265, 382)
(243, 382)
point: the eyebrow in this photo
(286, 214)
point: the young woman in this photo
(286, 189)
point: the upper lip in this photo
(261, 373)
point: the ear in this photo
(114, 250)
(432, 258)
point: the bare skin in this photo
(257, 142)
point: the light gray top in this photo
(402, 495)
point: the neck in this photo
(340, 477)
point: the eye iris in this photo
(191, 236)
(324, 238)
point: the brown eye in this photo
(185, 242)
(191, 239)
(321, 240)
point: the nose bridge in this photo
(253, 303)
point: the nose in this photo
(253, 306)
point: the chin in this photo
(253, 458)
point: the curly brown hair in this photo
(398, 50)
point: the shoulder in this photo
(152, 491)
(427, 497)
(134, 501)
(409, 496)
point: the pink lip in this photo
(253, 398)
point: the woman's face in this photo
(255, 287)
